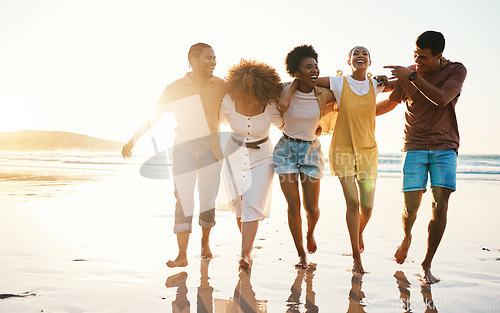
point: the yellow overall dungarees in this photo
(353, 151)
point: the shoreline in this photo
(101, 246)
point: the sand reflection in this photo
(356, 295)
(404, 294)
(293, 302)
(181, 302)
(204, 301)
(243, 300)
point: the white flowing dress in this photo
(247, 172)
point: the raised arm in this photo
(284, 102)
(438, 96)
(323, 82)
(150, 120)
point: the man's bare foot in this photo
(176, 280)
(361, 243)
(302, 263)
(311, 243)
(357, 266)
(426, 275)
(179, 262)
(206, 253)
(402, 251)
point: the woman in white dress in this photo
(250, 109)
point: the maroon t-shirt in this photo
(427, 126)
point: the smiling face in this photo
(359, 58)
(204, 64)
(307, 74)
(425, 61)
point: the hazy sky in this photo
(96, 67)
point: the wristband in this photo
(412, 76)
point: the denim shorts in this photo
(294, 157)
(441, 165)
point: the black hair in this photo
(350, 52)
(295, 57)
(197, 49)
(432, 40)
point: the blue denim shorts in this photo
(293, 157)
(441, 165)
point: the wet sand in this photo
(100, 245)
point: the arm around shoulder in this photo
(385, 106)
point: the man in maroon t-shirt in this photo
(430, 88)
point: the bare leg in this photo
(310, 193)
(366, 196)
(248, 233)
(238, 221)
(182, 242)
(206, 253)
(290, 188)
(352, 219)
(412, 203)
(436, 229)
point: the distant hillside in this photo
(36, 140)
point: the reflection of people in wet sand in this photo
(293, 302)
(431, 88)
(404, 293)
(204, 301)
(181, 302)
(195, 101)
(244, 300)
(353, 151)
(250, 109)
(404, 290)
(425, 290)
(205, 291)
(356, 295)
(298, 156)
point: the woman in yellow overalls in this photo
(353, 151)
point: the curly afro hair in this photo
(295, 57)
(250, 80)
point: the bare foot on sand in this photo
(357, 266)
(206, 253)
(246, 262)
(426, 275)
(311, 243)
(302, 263)
(179, 262)
(402, 251)
(361, 243)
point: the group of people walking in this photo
(252, 98)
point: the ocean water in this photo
(470, 167)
